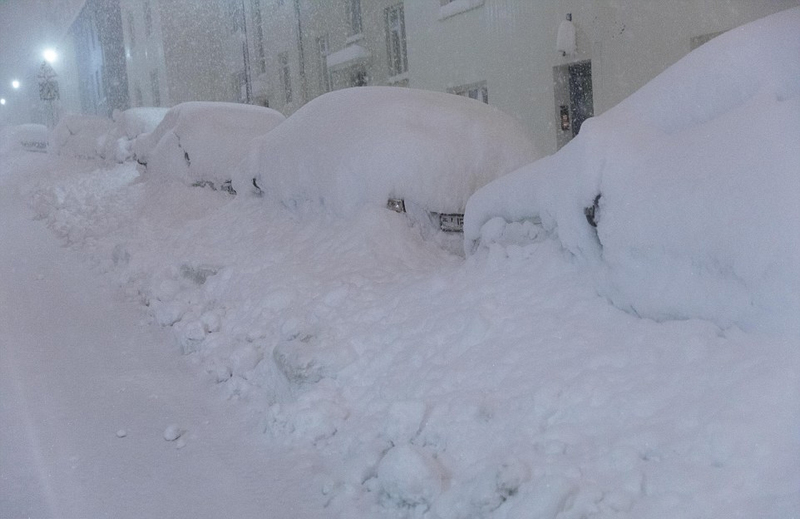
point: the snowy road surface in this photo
(78, 369)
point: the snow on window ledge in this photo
(457, 7)
(354, 38)
(399, 78)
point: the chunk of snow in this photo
(409, 476)
(173, 432)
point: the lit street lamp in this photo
(2, 101)
(50, 55)
(15, 84)
(48, 88)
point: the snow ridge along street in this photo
(87, 389)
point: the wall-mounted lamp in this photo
(565, 43)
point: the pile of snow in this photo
(31, 137)
(697, 175)
(199, 143)
(365, 145)
(81, 136)
(117, 144)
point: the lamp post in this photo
(48, 87)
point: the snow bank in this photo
(697, 174)
(364, 145)
(201, 142)
(81, 136)
(117, 144)
(427, 386)
(31, 137)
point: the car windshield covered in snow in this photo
(384, 259)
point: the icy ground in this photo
(394, 379)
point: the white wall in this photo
(511, 44)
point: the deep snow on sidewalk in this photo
(499, 386)
(89, 389)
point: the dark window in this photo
(286, 76)
(148, 19)
(354, 16)
(396, 40)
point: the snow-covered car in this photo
(117, 144)
(665, 195)
(29, 137)
(199, 143)
(419, 152)
(80, 135)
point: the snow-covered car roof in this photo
(134, 122)
(368, 144)
(202, 141)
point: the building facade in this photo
(550, 63)
(505, 51)
(177, 51)
(97, 58)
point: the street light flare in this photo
(50, 55)
(15, 84)
(2, 101)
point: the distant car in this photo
(200, 143)
(28, 137)
(419, 152)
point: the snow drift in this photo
(694, 218)
(201, 142)
(364, 145)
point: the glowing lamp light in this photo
(15, 84)
(50, 55)
(2, 101)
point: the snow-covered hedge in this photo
(698, 175)
(365, 145)
(31, 137)
(201, 142)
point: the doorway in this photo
(574, 100)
